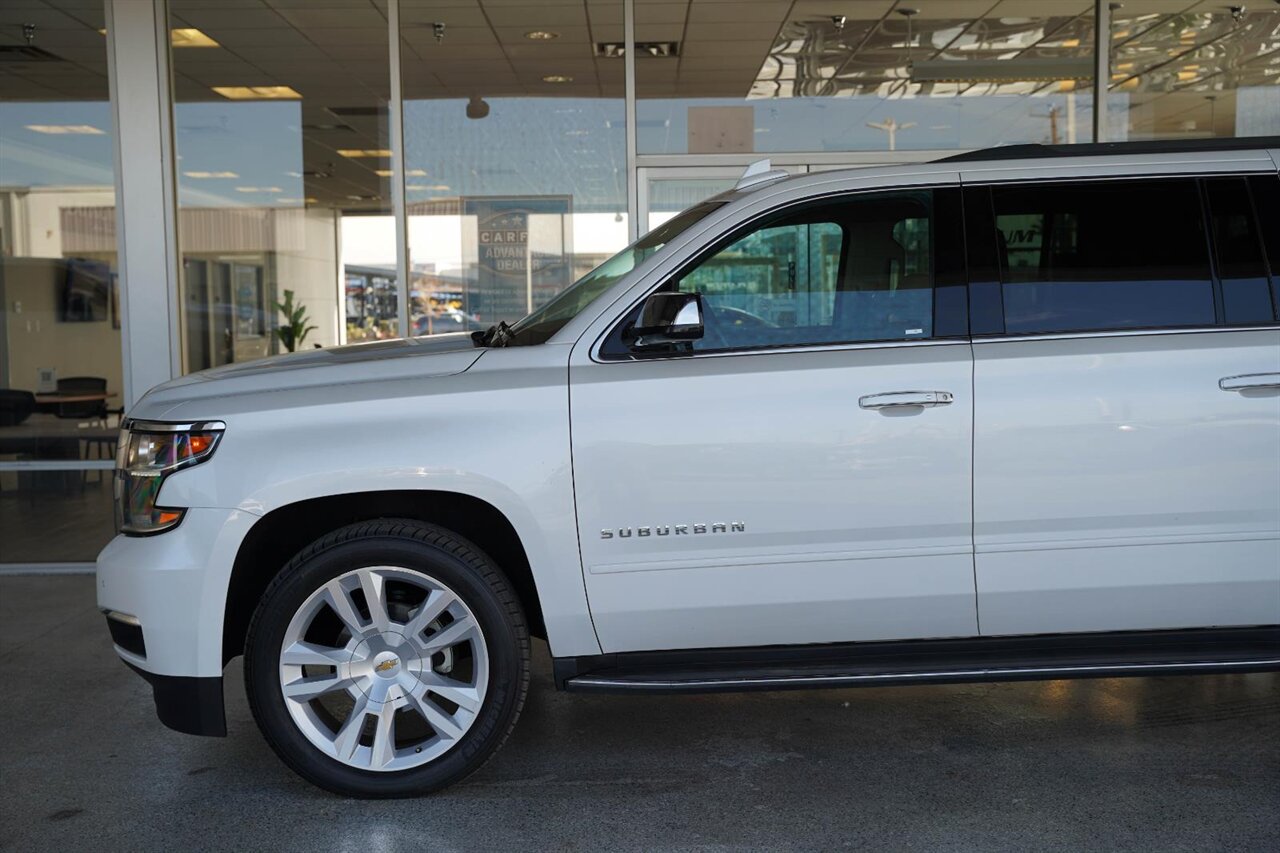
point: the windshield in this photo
(552, 317)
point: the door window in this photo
(1237, 246)
(855, 271)
(1101, 256)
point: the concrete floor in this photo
(1164, 764)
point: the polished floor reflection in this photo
(54, 516)
(1124, 764)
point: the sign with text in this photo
(522, 251)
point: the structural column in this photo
(138, 60)
(1101, 65)
(399, 157)
(629, 96)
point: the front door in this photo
(802, 473)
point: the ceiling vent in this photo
(26, 53)
(653, 49)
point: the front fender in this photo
(498, 433)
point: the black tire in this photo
(460, 565)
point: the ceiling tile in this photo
(310, 18)
(226, 19)
(364, 35)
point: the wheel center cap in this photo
(387, 664)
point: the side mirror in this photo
(667, 318)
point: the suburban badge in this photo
(674, 530)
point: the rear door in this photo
(1127, 414)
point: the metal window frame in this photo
(140, 70)
(140, 74)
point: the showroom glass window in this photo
(281, 128)
(515, 153)
(739, 78)
(1193, 72)
(61, 385)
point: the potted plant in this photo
(294, 331)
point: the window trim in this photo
(601, 352)
(1119, 333)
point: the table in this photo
(40, 427)
(42, 437)
(54, 399)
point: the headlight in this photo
(149, 452)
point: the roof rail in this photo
(1094, 149)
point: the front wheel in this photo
(388, 659)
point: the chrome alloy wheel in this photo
(384, 668)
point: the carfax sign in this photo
(522, 251)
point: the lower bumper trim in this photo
(188, 704)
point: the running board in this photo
(1033, 658)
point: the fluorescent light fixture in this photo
(259, 190)
(59, 129)
(211, 174)
(256, 93)
(364, 152)
(1000, 70)
(307, 200)
(432, 187)
(185, 37)
(557, 78)
(541, 35)
(412, 173)
(190, 37)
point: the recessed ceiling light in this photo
(541, 35)
(432, 187)
(412, 173)
(190, 37)
(211, 174)
(80, 129)
(259, 190)
(256, 93)
(307, 200)
(364, 152)
(557, 78)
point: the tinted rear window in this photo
(1101, 256)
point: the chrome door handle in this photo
(904, 399)
(1250, 381)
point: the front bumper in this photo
(175, 585)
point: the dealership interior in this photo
(405, 167)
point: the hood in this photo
(402, 358)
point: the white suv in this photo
(1010, 415)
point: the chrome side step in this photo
(959, 660)
(604, 684)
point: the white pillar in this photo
(138, 62)
(399, 173)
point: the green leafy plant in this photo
(294, 331)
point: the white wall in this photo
(309, 267)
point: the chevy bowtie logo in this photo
(674, 530)
(386, 665)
